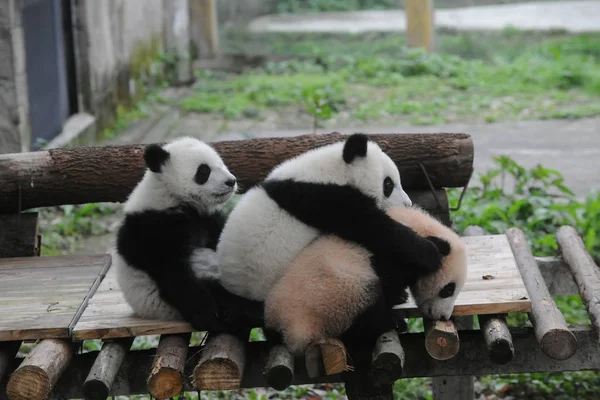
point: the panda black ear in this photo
(355, 146)
(155, 157)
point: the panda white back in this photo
(260, 238)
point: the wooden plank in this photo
(420, 28)
(41, 296)
(19, 235)
(472, 359)
(490, 257)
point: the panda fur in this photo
(165, 256)
(342, 189)
(331, 290)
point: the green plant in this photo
(321, 103)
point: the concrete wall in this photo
(244, 10)
(14, 109)
(111, 38)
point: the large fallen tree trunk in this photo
(109, 173)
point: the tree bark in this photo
(109, 173)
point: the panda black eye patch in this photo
(447, 290)
(202, 174)
(388, 186)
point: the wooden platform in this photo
(494, 284)
(43, 297)
(109, 316)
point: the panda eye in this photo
(388, 186)
(447, 290)
(202, 174)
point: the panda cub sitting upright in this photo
(343, 189)
(164, 259)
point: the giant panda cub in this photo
(344, 189)
(330, 289)
(165, 252)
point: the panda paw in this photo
(442, 245)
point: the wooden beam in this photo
(178, 38)
(39, 372)
(100, 379)
(497, 338)
(584, 269)
(204, 28)
(388, 358)
(472, 359)
(441, 339)
(221, 365)
(554, 337)
(166, 376)
(280, 368)
(420, 23)
(19, 235)
(109, 173)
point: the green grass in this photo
(374, 77)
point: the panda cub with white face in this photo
(164, 258)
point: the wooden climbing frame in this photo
(61, 301)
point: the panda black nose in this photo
(230, 182)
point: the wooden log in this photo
(279, 368)
(420, 29)
(584, 269)
(166, 376)
(333, 354)
(221, 365)
(472, 360)
(109, 173)
(37, 374)
(8, 350)
(19, 235)
(204, 28)
(497, 338)
(441, 339)
(554, 337)
(388, 358)
(100, 379)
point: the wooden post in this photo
(106, 366)
(551, 331)
(204, 28)
(166, 376)
(332, 353)
(19, 235)
(388, 358)
(497, 338)
(441, 339)
(221, 365)
(420, 23)
(279, 368)
(39, 372)
(584, 269)
(178, 38)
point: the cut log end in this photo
(559, 344)
(165, 383)
(441, 340)
(95, 389)
(217, 374)
(388, 358)
(326, 356)
(28, 383)
(280, 368)
(497, 338)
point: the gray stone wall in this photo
(14, 110)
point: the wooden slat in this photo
(488, 256)
(41, 296)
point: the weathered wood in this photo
(471, 360)
(494, 284)
(19, 235)
(441, 339)
(388, 358)
(109, 173)
(279, 368)
(41, 297)
(558, 276)
(221, 365)
(329, 354)
(8, 350)
(554, 337)
(166, 376)
(40, 370)
(497, 338)
(100, 379)
(177, 38)
(420, 29)
(204, 28)
(584, 269)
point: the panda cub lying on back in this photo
(330, 289)
(165, 259)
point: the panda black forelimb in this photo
(344, 211)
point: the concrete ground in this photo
(573, 16)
